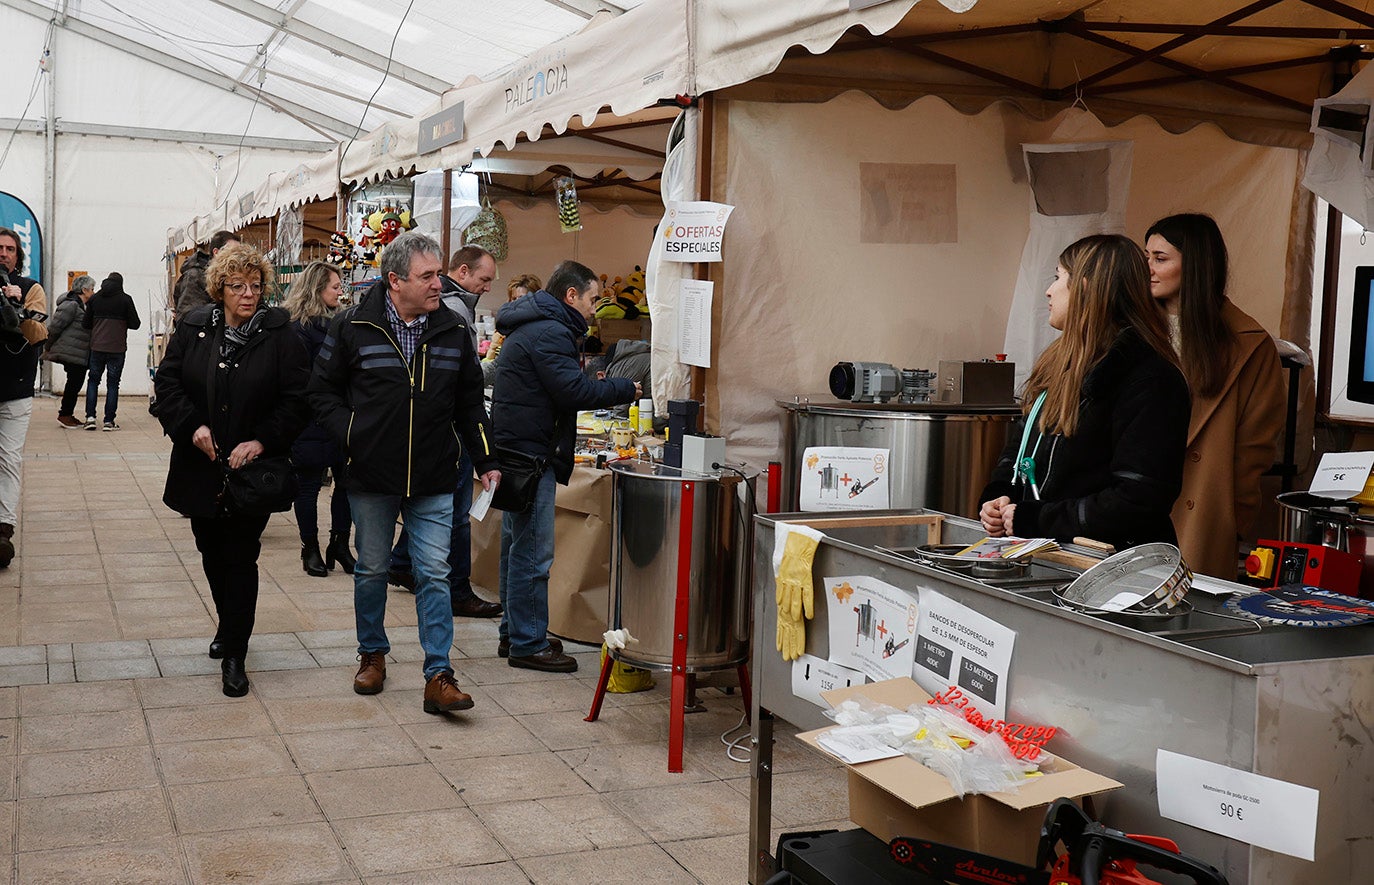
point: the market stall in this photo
(1285, 702)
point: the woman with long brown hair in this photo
(1237, 388)
(1099, 451)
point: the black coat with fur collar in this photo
(1116, 479)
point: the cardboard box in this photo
(901, 797)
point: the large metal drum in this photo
(646, 524)
(941, 454)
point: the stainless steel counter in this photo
(1288, 703)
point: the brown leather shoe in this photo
(548, 660)
(476, 607)
(442, 694)
(503, 647)
(371, 673)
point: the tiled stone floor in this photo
(121, 761)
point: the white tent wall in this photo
(107, 190)
(799, 290)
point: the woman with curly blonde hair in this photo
(230, 389)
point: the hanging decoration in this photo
(340, 250)
(569, 216)
(488, 230)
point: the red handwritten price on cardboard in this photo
(1024, 740)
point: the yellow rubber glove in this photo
(791, 638)
(796, 593)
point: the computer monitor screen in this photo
(1360, 374)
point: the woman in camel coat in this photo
(1237, 390)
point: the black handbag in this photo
(262, 486)
(265, 485)
(520, 474)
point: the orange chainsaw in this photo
(1093, 855)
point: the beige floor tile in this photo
(543, 697)
(66, 612)
(326, 714)
(282, 855)
(184, 691)
(371, 791)
(472, 735)
(7, 810)
(66, 593)
(155, 862)
(86, 771)
(609, 767)
(47, 700)
(804, 797)
(645, 863)
(8, 766)
(685, 811)
(353, 748)
(527, 776)
(224, 759)
(508, 873)
(723, 859)
(92, 819)
(154, 627)
(399, 843)
(68, 631)
(335, 682)
(217, 806)
(566, 730)
(243, 718)
(533, 827)
(152, 590)
(80, 731)
(63, 577)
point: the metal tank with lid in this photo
(941, 454)
(646, 533)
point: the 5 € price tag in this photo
(1237, 804)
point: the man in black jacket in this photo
(538, 393)
(110, 316)
(18, 367)
(397, 382)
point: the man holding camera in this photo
(21, 331)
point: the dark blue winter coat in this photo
(541, 386)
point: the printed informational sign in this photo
(872, 626)
(1240, 805)
(694, 322)
(955, 645)
(16, 215)
(693, 230)
(1342, 475)
(812, 675)
(441, 129)
(844, 478)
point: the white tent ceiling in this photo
(312, 66)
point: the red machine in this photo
(1275, 563)
(1094, 855)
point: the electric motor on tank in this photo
(918, 385)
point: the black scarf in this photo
(236, 337)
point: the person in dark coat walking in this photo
(230, 389)
(314, 297)
(1099, 453)
(398, 385)
(110, 317)
(69, 345)
(538, 393)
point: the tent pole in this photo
(446, 218)
(702, 271)
(1326, 341)
(50, 187)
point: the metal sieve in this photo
(1148, 578)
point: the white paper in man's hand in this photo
(482, 504)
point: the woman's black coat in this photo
(1116, 479)
(261, 396)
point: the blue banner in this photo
(16, 215)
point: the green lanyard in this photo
(1025, 466)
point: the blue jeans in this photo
(460, 540)
(103, 362)
(429, 518)
(526, 557)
